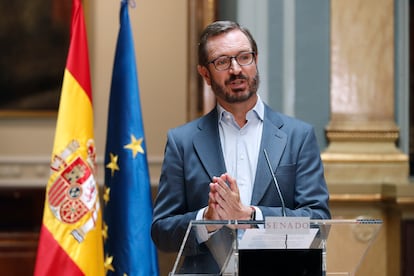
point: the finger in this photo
(221, 212)
(215, 179)
(213, 188)
(221, 201)
(223, 183)
(212, 198)
(232, 183)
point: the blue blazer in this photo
(193, 155)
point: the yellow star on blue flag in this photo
(135, 145)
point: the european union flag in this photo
(129, 249)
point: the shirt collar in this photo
(258, 109)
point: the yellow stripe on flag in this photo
(75, 125)
(75, 114)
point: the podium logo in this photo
(287, 225)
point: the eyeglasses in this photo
(224, 62)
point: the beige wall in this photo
(160, 34)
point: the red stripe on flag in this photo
(52, 259)
(78, 56)
(57, 192)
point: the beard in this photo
(236, 96)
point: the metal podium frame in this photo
(329, 236)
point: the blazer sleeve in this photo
(170, 219)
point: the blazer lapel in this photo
(208, 147)
(274, 142)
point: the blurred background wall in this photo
(341, 65)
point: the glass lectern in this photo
(296, 247)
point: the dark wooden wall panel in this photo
(407, 246)
(22, 212)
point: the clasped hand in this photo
(224, 201)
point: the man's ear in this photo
(203, 71)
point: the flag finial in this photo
(131, 3)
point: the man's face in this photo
(238, 83)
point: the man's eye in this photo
(222, 61)
(244, 57)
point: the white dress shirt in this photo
(241, 147)
(241, 151)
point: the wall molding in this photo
(33, 171)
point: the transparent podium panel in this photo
(277, 246)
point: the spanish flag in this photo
(70, 241)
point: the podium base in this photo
(292, 262)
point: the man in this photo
(215, 167)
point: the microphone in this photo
(276, 184)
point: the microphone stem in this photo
(276, 183)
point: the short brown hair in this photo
(216, 28)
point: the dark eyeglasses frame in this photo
(231, 58)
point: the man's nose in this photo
(234, 66)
